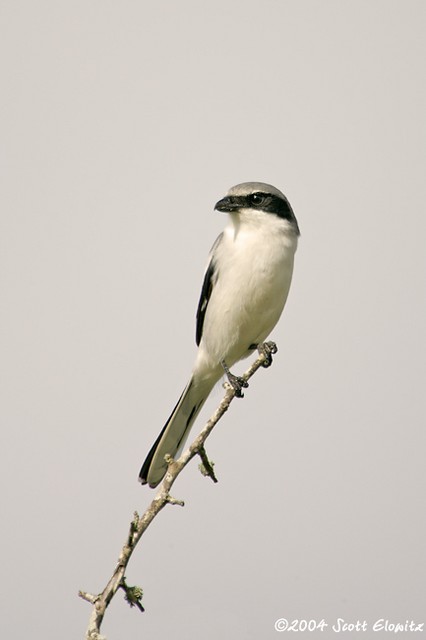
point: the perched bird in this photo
(245, 288)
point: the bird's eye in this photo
(256, 199)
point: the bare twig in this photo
(206, 466)
(133, 595)
(139, 524)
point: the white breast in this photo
(255, 266)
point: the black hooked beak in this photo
(228, 204)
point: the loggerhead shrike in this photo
(245, 288)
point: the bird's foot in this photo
(236, 382)
(267, 349)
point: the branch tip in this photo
(172, 500)
(89, 597)
(206, 466)
(132, 595)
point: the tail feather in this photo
(175, 432)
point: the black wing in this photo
(210, 277)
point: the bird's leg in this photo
(266, 349)
(236, 382)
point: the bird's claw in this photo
(266, 349)
(237, 383)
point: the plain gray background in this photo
(122, 124)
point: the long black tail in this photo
(175, 432)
